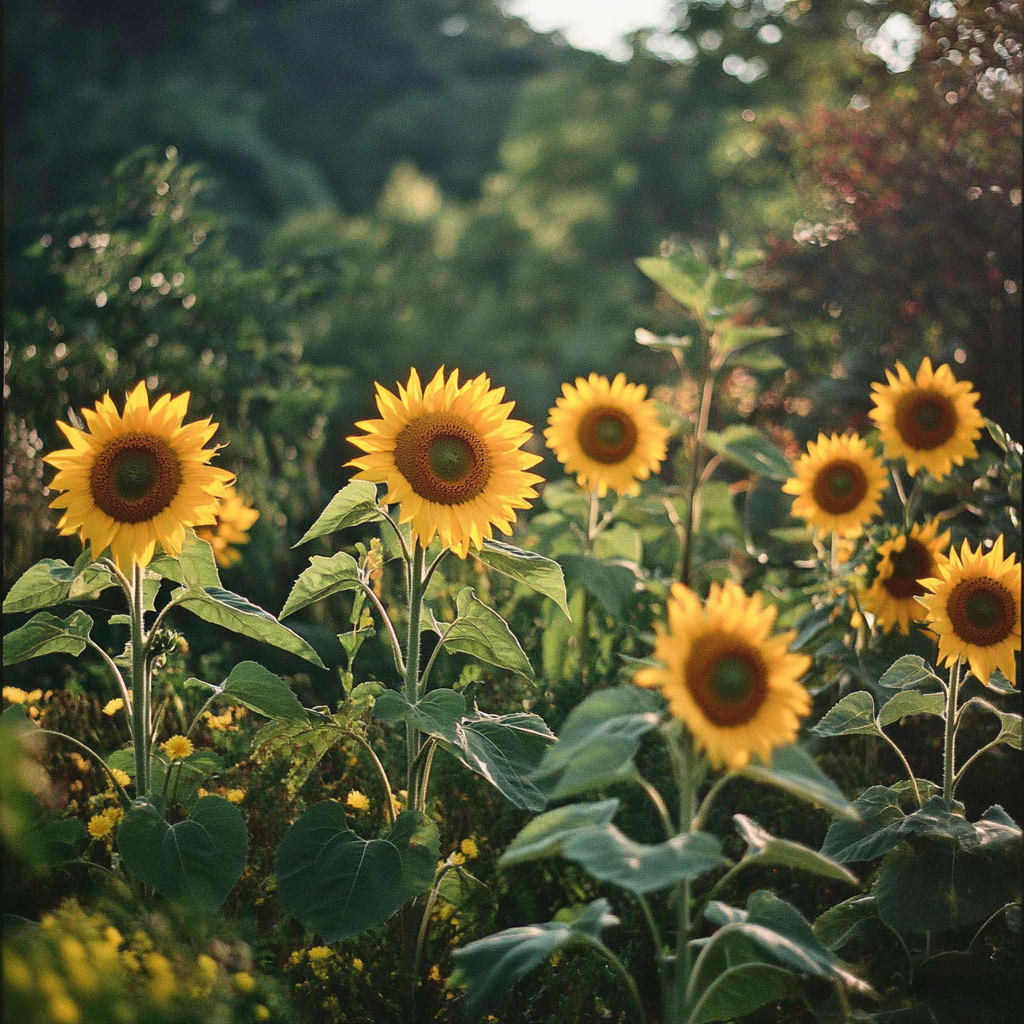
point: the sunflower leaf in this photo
(249, 683)
(325, 576)
(545, 834)
(908, 672)
(52, 581)
(853, 715)
(764, 848)
(911, 702)
(751, 449)
(540, 574)
(46, 634)
(354, 504)
(1009, 722)
(684, 278)
(613, 585)
(483, 633)
(437, 714)
(794, 770)
(233, 612)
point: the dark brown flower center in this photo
(840, 486)
(727, 679)
(925, 419)
(982, 611)
(135, 477)
(911, 564)
(606, 434)
(443, 457)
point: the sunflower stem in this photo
(707, 386)
(948, 760)
(680, 744)
(412, 664)
(140, 683)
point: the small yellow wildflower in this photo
(76, 786)
(112, 707)
(112, 936)
(162, 982)
(16, 972)
(113, 814)
(202, 791)
(260, 1012)
(99, 826)
(469, 848)
(78, 969)
(318, 953)
(177, 748)
(235, 796)
(435, 973)
(357, 801)
(357, 965)
(296, 957)
(130, 960)
(123, 778)
(15, 694)
(80, 762)
(243, 982)
(456, 859)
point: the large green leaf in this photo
(198, 860)
(613, 585)
(505, 750)
(794, 770)
(195, 566)
(909, 671)
(741, 989)
(325, 576)
(764, 848)
(52, 581)
(46, 634)
(481, 632)
(752, 449)
(249, 683)
(831, 926)
(611, 856)
(598, 741)
(338, 884)
(545, 834)
(1009, 722)
(186, 776)
(911, 702)
(354, 504)
(437, 714)
(527, 567)
(491, 966)
(241, 616)
(854, 714)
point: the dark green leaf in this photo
(354, 504)
(831, 926)
(764, 848)
(263, 692)
(613, 585)
(740, 990)
(236, 613)
(909, 671)
(683, 279)
(848, 841)
(534, 571)
(338, 884)
(794, 770)
(912, 702)
(1009, 722)
(52, 581)
(197, 860)
(760, 360)
(325, 576)
(491, 966)
(854, 714)
(544, 835)
(481, 632)
(437, 714)
(751, 449)
(46, 634)
(64, 840)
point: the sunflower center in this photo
(727, 679)
(840, 487)
(911, 564)
(135, 477)
(607, 435)
(982, 611)
(925, 419)
(443, 457)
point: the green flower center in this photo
(731, 680)
(983, 609)
(450, 458)
(925, 419)
(727, 678)
(443, 457)
(840, 487)
(134, 473)
(609, 431)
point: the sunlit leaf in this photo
(534, 571)
(752, 449)
(794, 770)
(544, 835)
(909, 671)
(46, 634)
(854, 714)
(354, 504)
(912, 702)
(325, 576)
(262, 691)
(481, 632)
(764, 848)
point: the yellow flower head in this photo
(319, 953)
(121, 776)
(235, 796)
(451, 456)
(99, 826)
(234, 518)
(930, 421)
(136, 480)
(243, 982)
(607, 433)
(974, 607)
(469, 848)
(14, 695)
(112, 707)
(734, 685)
(837, 485)
(357, 801)
(357, 965)
(901, 565)
(177, 748)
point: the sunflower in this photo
(137, 480)
(451, 456)
(734, 685)
(608, 434)
(901, 564)
(974, 607)
(930, 421)
(837, 485)
(234, 517)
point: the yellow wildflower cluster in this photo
(357, 801)
(224, 722)
(112, 707)
(177, 748)
(16, 695)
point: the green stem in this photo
(681, 751)
(707, 390)
(948, 760)
(659, 805)
(140, 684)
(424, 780)
(958, 775)
(126, 800)
(421, 936)
(389, 797)
(396, 647)
(412, 664)
(116, 672)
(899, 754)
(627, 977)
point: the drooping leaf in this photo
(481, 632)
(325, 576)
(197, 860)
(544, 835)
(1009, 722)
(491, 966)
(613, 585)
(354, 504)
(752, 449)
(63, 840)
(911, 702)
(764, 848)
(338, 884)
(732, 338)
(831, 926)
(437, 714)
(262, 691)
(46, 634)
(52, 581)
(534, 571)
(598, 741)
(760, 360)
(741, 989)
(909, 671)
(854, 714)
(794, 770)
(611, 856)
(233, 612)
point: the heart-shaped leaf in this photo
(249, 683)
(52, 581)
(325, 576)
(437, 714)
(354, 504)
(853, 715)
(46, 634)
(483, 633)
(527, 567)
(545, 834)
(338, 884)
